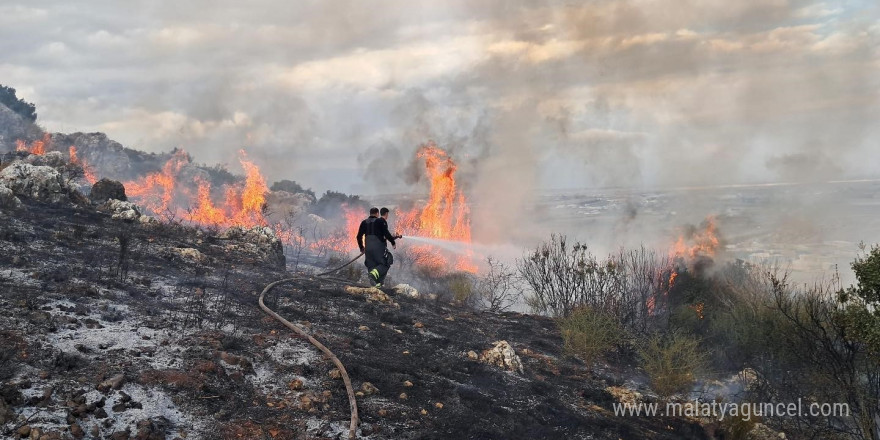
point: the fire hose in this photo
(348, 388)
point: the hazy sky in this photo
(527, 95)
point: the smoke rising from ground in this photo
(525, 96)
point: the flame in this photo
(688, 248)
(247, 205)
(206, 213)
(700, 243)
(88, 172)
(38, 147)
(242, 206)
(445, 215)
(155, 191)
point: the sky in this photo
(527, 96)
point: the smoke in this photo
(526, 97)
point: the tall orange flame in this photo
(445, 215)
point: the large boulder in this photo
(106, 189)
(41, 183)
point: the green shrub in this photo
(461, 286)
(672, 362)
(590, 334)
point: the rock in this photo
(369, 388)
(295, 385)
(502, 355)
(383, 413)
(76, 431)
(423, 412)
(472, 355)
(24, 431)
(259, 241)
(418, 324)
(114, 383)
(54, 159)
(407, 384)
(100, 152)
(106, 189)
(189, 255)
(403, 396)
(364, 328)
(41, 183)
(372, 294)
(438, 405)
(147, 220)
(120, 210)
(406, 290)
(8, 199)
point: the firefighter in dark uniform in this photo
(372, 238)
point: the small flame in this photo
(700, 243)
(38, 147)
(88, 172)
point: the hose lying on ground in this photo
(348, 388)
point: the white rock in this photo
(502, 355)
(406, 289)
(54, 159)
(41, 183)
(122, 210)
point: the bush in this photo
(497, 286)
(631, 285)
(672, 362)
(461, 286)
(590, 334)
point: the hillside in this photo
(122, 327)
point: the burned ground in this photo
(122, 330)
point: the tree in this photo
(24, 109)
(292, 187)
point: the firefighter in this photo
(373, 238)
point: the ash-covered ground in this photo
(118, 326)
